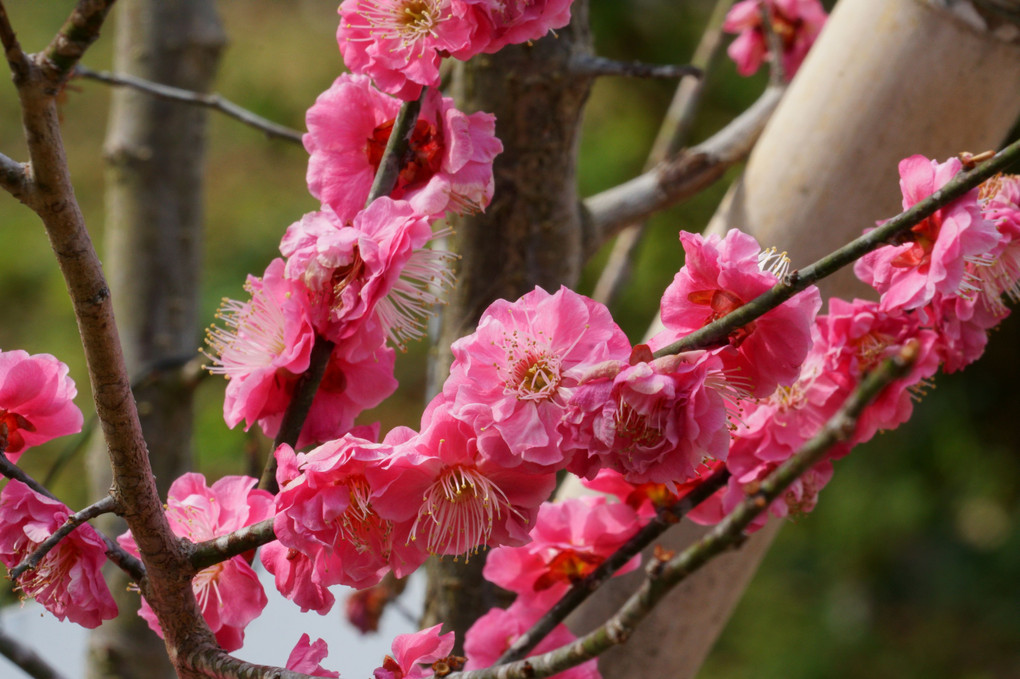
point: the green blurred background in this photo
(910, 565)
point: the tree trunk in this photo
(530, 235)
(154, 151)
(887, 79)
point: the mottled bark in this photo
(530, 235)
(154, 151)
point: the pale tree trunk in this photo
(887, 79)
(154, 151)
(530, 235)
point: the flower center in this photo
(568, 567)
(535, 377)
(11, 425)
(422, 160)
(458, 511)
(359, 525)
(633, 429)
(405, 20)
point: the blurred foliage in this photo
(908, 567)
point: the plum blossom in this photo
(513, 377)
(400, 43)
(229, 592)
(722, 274)
(458, 499)
(307, 655)
(933, 256)
(36, 401)
(298, 577)
(795, 22)
(512, 22)
(493, 634)
(413, 654)
(570, 539)
(375, 271)
(653, 421)
(326, 513)
(448, 165)
(68, 581)
(998, 275)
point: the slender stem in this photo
(27, 660)
(590, 65)
(578, 593)
(104, 506)
(799, 280)
(777, 72)
(16, 57)
(665, 572)
(396, 148)
(211, 101)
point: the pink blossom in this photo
(513, 377)
(448, 166)
(795, 22)
(359, 376)
(267, 336)
(458, 499)
(375, 271)
(400, 43)
(327, 513)
(494, 633)
(229, 592)
(720, 275)
(514, 22)
(653, 421)
(414, 653)
(36, 401)
(68, 581)
(570, 539)
(859, 335)
(299, 578)
(997, 275)
(962, 325)
(306, 657)
(933, 255)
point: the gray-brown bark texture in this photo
(531, 233)
(154, 151)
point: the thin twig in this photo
(590, 65)
(30, 662)
(665, 573)
(396, 148)
(16, 58)
(81, 29)
(13, 176)
(677, 178)
(114, 552)
(826, 266)
(672, 136)
(32, 561)
(578, 593)
(211, 101)
(777, 72)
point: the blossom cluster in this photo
(794, 23)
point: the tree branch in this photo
(16, 58)
(81, 29)
(211, 101)
(576, 595)
(671, 138)
(676, 178)
(796, 281)
(205, 554)
(104, 506)
(592, 66)
(13, 177)
(665, 573)
(26, 659)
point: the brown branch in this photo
(677, 178)
(26, 659)
(81, 29)
(665, 573)
(672, 136)
(588, 65)
(18, 61)
(210, 101)
(13, 177)
(777, 72)
(209, 552)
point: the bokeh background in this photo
(909, 566)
